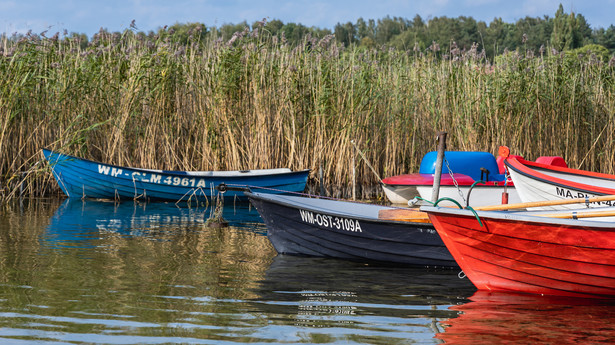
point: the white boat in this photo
(460, 180)
(537, 182)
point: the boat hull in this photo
(81, 178)
(347, 230)
(530, 254)
(400, 194)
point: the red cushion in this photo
(552, 160)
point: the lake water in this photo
(104, 273)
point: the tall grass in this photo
(256, 102)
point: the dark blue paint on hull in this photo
(404, 243)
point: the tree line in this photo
(565, 31)
(438, 35)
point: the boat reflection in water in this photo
(499, 317)
(363, 302)
(83, 221)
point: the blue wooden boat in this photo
(299, 225)
(82, 178)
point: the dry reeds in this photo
(256, 102)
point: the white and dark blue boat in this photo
(308, 226)
(82, 178)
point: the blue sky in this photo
(88, 16)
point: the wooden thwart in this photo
(404, 215)
(412, 215)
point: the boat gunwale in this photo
(511, 216)
(185, 173)
(272, 198)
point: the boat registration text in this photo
(153, 178)
(573, 194)
(324, 220)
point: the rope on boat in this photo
(223, 187)
(366, 161)
(448, 199)
(461, 207)
(472, 187)
(475, 215)
(216, 220)
(416, 199)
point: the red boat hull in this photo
(520, 254)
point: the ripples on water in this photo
(96, 272)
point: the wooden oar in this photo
(410, 215)
(531, 204)
(574, 214)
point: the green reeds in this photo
(256, 102)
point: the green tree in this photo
(606, 38)
(183, 33)
(495, 37)
(274, 27)
(228, 30)
(569, 31)
(600, 52)
(532, 33)
(463, 31)
(346, 34)
(388, 28)
(294, 33)
(365, 30)
(81, 39)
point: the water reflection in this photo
(496, 318)
(123, 274)
(90, 272)
(350, 301)
(80, 223)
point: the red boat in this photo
(521, 252)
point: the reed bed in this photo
(256, 102)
